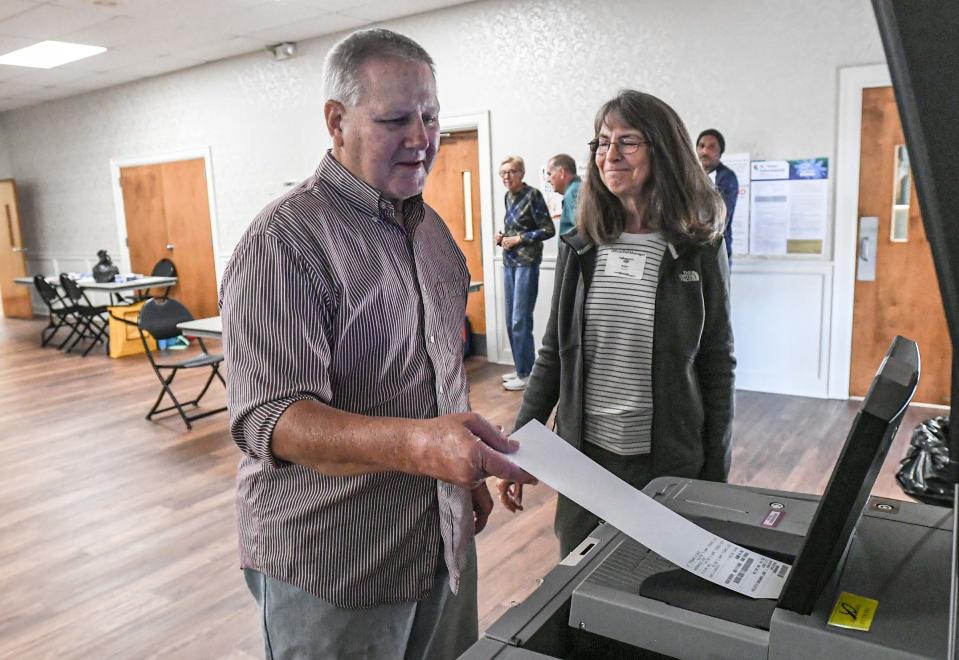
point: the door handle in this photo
(868, 237)
(20, 249)
(170, 246)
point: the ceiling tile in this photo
(174, 35)
(107, 7)
(111, 33)
(10, 73)
(11, 104)
(50, 22)
(160, 65)
(324, 5)
(53, 77)
(8, 44)
(381, 11)
(266, 16)
(18, 86)
(111, 78)
(149, 8)
(49, 93)
(10, 8)
(111, 60)
(315, 27)
(150, 37)
(219, 50)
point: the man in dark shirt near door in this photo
(362, 480)
(710, 146)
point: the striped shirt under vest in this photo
(327, 297)
(618, 344)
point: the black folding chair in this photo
(159, 317)
(62, 313)
(162, 268)
(92, 322)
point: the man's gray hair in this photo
(564, 161)
(341, 70)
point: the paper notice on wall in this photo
(770, 217)
(739, 164)
(789, 206)
(555, 462)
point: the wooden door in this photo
(13, 263)
(168, 216)
(904, 298)
(455, 176)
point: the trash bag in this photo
(924, 471)
(105, 270)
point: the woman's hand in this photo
(510, 494)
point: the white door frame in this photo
(116, 164)
(479, 121)
(852, 82)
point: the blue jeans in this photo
(522, 285)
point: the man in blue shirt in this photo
(710, 146)
(561, 171)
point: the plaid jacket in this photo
(527, 216)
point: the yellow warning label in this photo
(852, 611)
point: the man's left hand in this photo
(482, 506)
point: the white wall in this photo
(764, 73)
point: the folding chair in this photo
(61, 312)
(91, 319)
(159, 317)
(162, 268)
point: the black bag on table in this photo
(924, 471)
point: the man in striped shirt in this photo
(361, 484)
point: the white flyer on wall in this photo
(770, 217)
(789, 205)
(555, 462)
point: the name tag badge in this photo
(623, 263)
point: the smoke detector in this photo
(282, 51)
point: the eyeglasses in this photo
(505, 173)
(624, 145)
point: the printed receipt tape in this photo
(552, 460)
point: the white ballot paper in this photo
(554, 461)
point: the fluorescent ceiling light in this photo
(48, 54)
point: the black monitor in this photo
(853, 476)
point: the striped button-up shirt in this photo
(327, 297)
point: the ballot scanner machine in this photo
(857, 562)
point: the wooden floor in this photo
(117, 535)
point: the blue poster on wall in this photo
(810, 168)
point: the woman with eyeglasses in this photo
(637, 357)
(527, 225)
